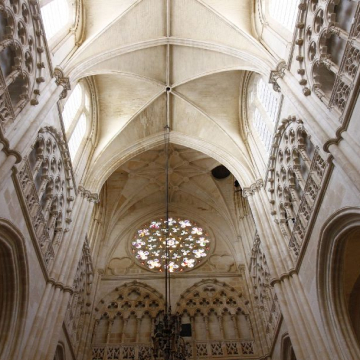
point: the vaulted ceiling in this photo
(176, 62)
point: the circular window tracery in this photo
(188, 244)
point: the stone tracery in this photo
(328, 53)
(219, 316)
(80, 300)
(46, 182)
(295, 178)
(220, 320)
(264, 294)
(23, 54)
(188, 244)
(124, 322)
(204, 112)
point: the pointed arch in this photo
(341, 229)
(14, 285)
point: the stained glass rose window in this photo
(188, 244)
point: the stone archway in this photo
(14, 289)
(338, 281)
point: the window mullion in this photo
(74, 122)
(258, 140)
(268, 121)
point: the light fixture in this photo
(167, 340)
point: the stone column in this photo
(221, 326)
(206, 318)
(305, 335)
(138, 327)
(110, 326)
(70, 266)
(194, 350)
(50, 316)
(237, 331)
(85, 345)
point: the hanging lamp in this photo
(167, 340)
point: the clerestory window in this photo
(77, 136)
(72, 106)
(56, 16)
(76, 116)
(263, 108)
(284, 12)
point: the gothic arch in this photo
(287, 350)
(124, 321)
(217, 313)
(14, 289)
(77, 70)
(337, 232)
(241, 171)
(60, 352)
(71, 20)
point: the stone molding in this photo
(252, 189)
(7, 150)
(62, 80)
(88, 195)
(276, 74)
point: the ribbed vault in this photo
(200, 49)
(177, 62)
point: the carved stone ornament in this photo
(252, 189)
(276, 74)
(24, 59)
(91, 197)
(63, 81)
(296, 171)
(317, 36)
(46, 182)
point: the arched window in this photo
(262, 130)
(339, 278)
(284, 12)
(72, 106)
(263, 108)
(56, 15)
(77, 136)
(267, 98)
(76, 115)
(60, 353)
(287, 349)
(14, 286)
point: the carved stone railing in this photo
(200, 349)
(132, 351)
(218, 349)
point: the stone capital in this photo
(253, 188)
(91, 197)
(63, 81)
(276, 74)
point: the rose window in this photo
(188, 244)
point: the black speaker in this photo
(185, 330)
